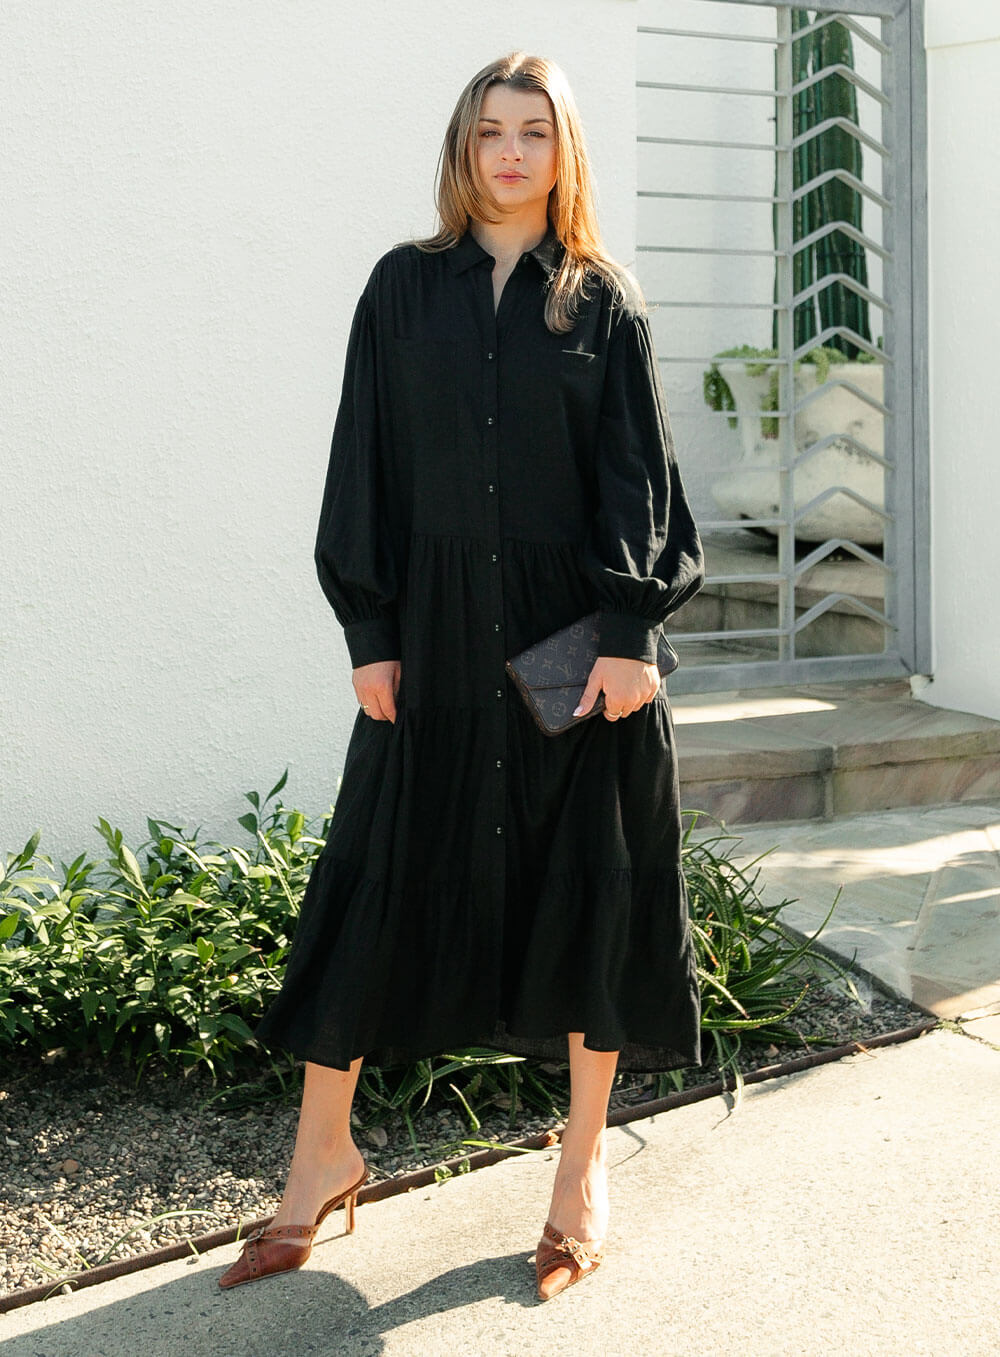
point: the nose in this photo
(511, 149)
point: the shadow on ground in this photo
(307, 1312)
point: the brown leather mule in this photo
(561, 1260)
(283, 1248)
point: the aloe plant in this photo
(836, 148)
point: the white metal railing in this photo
(794, 607)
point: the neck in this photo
(512, 236)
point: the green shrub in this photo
(170, 954)
(172, 957)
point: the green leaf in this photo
(235, 1023)
(8, 926)
(206, 950)
(131, 868)
(28, 851)
(90, 1002)
(278, 785)
(234, 954)
(249, 823)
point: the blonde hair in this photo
(461, 196)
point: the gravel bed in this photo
(97, 1168)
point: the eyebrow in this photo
(525, 123)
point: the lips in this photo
(510, 177)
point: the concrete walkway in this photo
(847, 1209)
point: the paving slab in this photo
(919, 898)
(986, 1029)
(847, 1209)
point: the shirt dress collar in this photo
(468, 252)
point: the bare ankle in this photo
(582, 1147)
(328, 1152)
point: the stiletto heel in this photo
(283, 1248)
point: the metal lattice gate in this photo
(782, 249)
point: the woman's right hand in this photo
(376, 686)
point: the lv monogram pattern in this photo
(552, 675)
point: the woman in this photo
(501, 466)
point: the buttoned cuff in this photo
(373, 640)
(628, 637)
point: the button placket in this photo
(491, 414)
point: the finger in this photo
(590, 695)
(625, 707)
(614, 709)
(387, 701)
(372, 705)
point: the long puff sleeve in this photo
(643, 553)
(354, 558)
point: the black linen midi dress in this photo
(489, 483)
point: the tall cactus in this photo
(836, 148)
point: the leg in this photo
(580, 1195)
(326, 1164)
(326, 1159)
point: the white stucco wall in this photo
(194, 195)
(963, 56)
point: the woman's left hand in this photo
(627, 685)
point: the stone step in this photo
(823, 749)
(843, 629)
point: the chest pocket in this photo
(580, 377)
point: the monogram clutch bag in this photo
(552, 675)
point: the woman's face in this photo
(516, 146)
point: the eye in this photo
(489, 132)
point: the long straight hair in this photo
(462, 197)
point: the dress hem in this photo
(635, 1055)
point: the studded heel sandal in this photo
(561, 1260)
(283, 1248)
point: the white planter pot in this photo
(751, 489)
